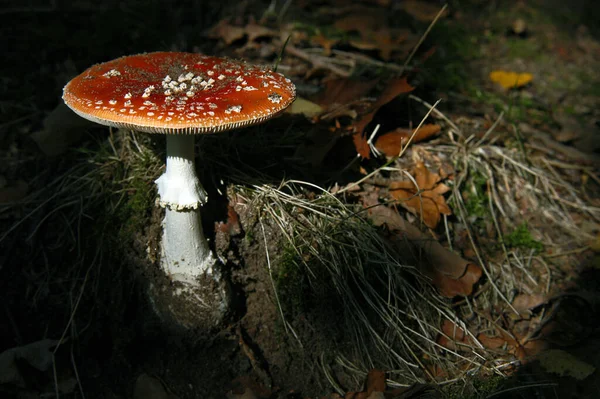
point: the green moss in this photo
(456, 47)
(291, 282)
(480, 387)
(249, 237)
(521, 238)
(527, 49)
(476, 198)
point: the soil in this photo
(69, 273)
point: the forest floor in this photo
(422, 222)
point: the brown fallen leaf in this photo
(325, 42)
(426, 198)
(391, 143)
(232, 225)
(523, 303)
(340, 91)
(393, 89)
(455, 338)
(363, 20)
(451, 274)
(226, 32)
(375, 381)
(383, 40)
(62, 128)
(421, 10)
(229, 33)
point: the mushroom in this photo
(180, 95)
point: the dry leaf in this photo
(455, 338)
(62, 128)
(391, 143)
(232, 225)
(510, 80)
(324, 42)
(523, 303)
(421, 11)
(304, 107)
(361, 145)
(393, 89)
(425, 199)
(340, 91)
(383, 40)
(256, 31)
(375, 381)
(451, 287)
(231, 33)
(450, 274)
(363, 20)
(226, 32)
(17, 363)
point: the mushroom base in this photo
(185, 252)
(183, 308)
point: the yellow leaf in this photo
(510, 80)
(304, 107)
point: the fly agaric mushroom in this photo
(180, 95)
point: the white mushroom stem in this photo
(185, 252)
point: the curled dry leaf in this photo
(341, 91)
(232, 226)
(304, 107)
(383, 40)
(391, 143)
(455, 338)
(325, 42)
(426, 198)
(421, 10)
(393, 89)
(450, 274)
(523, 303)
(363, 20)
(375, 381)
(230, 33)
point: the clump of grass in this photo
(72, 226)
(386, 310)
(476, 202)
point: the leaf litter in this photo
(398, 246)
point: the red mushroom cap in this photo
(171, 92)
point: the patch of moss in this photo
(522, 48)
(476, 198)
(521, 238)
(480, 387)
(290, 282)
(455, 47)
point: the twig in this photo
(422, 39)
(316, 62)
(437, 113)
